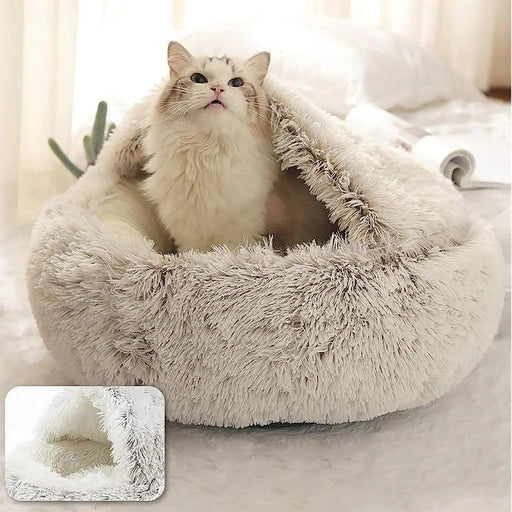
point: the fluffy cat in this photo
(211, 165)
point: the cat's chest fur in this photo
(210, 187)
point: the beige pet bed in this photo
(390, 314)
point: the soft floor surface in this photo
(450, 456)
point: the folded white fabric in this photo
(93, 444)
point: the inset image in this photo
(67, 443)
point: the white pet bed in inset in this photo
(93, 444)
(389, 315)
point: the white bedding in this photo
(484, 128)
(452, 455)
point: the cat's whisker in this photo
(258, 115)
(178, 110)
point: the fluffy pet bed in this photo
(94, 444)
(391, 313)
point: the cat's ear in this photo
(177, 57)
(257, 65)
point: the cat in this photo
(211, 166)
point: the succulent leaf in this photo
(111, 128)
(89, 150)
(98, 129)
(75, 170)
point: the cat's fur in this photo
(211, 167)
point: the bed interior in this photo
(301, 219)
(78, 449)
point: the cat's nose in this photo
(217, 89)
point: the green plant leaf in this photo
(89, 150)
(111, 128)
(76, 171)
(98, 129)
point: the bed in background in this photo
(452, 455)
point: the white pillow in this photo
(336, 63)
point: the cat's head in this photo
(212, 88)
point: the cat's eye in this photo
(198, 78)
(236, 82)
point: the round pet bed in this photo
(92, 444)
(390, 314)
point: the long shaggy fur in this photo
(390, 314)
(212, 167)
(94, 444)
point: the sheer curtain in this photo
(60, 57)
(37, 59)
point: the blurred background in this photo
(58, 58)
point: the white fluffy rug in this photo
(450, 456)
